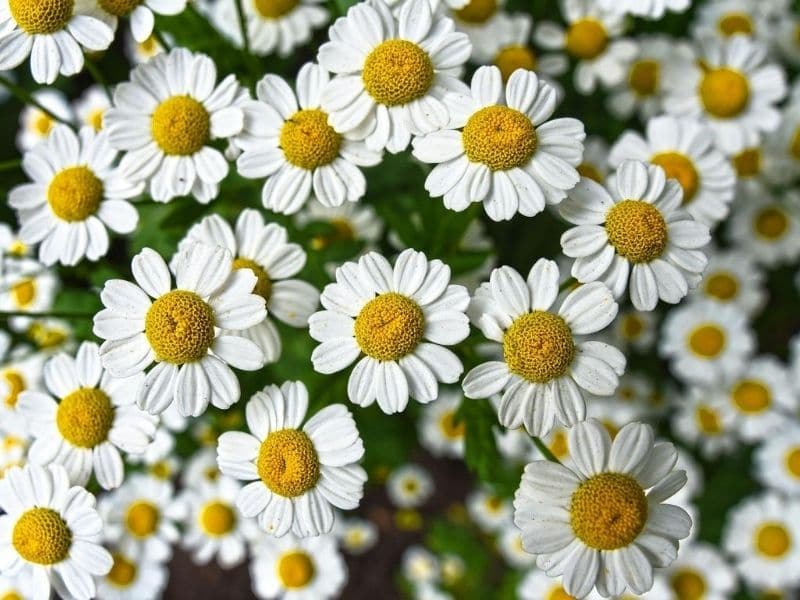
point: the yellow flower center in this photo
(707, 340)
(451, 428)
(688, 584)
(773, 540)
(590, 171)
(123, 571)
(751, 396)
(679, 166)
(735, 22)
(559, 445)
(511, 58)
(142, 518)
(586, 39)
(295, 569)
(793, 462)
(11, 596)
(288, 463)
(397, 72)
(477, 11)
(95, 119)
(557, 592)
(308, 141)
(46, 337)
(16, 384)
(608, 511)
(342, 231)
(637, 230)
(217, 518)
(41, 16)
(748, 162)
(644, 77)
(502, 138)
(794, 146)
(263, 285)
(43, 124)
(84, 417)
(538, 346)
(275, 9)
(724, 92)
(408, 519)
(149, 47)
(119, 8)
(161, 469)
(23, 292)
(18, 248)
(722, 285)
(771, 223)
(42, 536)
(389, 326)
(632, 327)
(180, 327)
(410, 486)
(181, 126)
(708, 420)
(75, 193)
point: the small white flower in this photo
(635, 329)
(732, 277)
(91, 106)
(484, 21)
(356, 536)
(777, 461)
(36, 125)
(537, 585)
(488, 511)
(420, 566)
(26, 285)
(509, 544)
(140, 13)
(723, 19)
(704, 421)
(699, 566)
(441, 432)
(767, 228)
(141, 52)
(18, 374)
(133, 578)
(409, 486)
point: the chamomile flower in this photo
(777, 461)
(50, 533)
(288, 139)
(488, 511)
(36, 125)
(503, 150)
(356, 536)
(763, 536)
(420, 566)
(141, 52)
(409, 486)
(484, 21)
(296, 474)
(547, 363)
(509, 545)
(15, 588)
(26, 285)
(635, 329)
(441, 432)
(387, 313)
(18, 374)
(139, 12)
(91, 106)
(705, 421)
(54, 33)
(350, 222)
(133, 578)
(265, 250)
(767, 228)
(733, 90)
(595, 159)
(164, 120)
(726, 18)
(648, 9)
(787, 38)
(513, 49)
(201, 468)
(75, 194)
(13, 450)
(604, 523)
(632, 235)
(188, 331)
(394, 77)
(782, 148)
(733, 278)
(515, 445)
(699, 572)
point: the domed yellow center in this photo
(142, 518)
(181, 126)
(722, 285)
(586, 39)
(75, 193)
(95, 119)
(559, 445)
(708, 420)
(288, 463)
(637, 230)
(590, 171)
(84, 417)
(389, 326)
(308, 141)
(217, 518)
(751, 396)
(119, 8)
(180, 327)
(771, 223)
(275, 9)
(477, 11)
(608, 511)
(688, 584)
(632, 327)
(123, 571)
(748, 162)
(644, 77)
(511, 58)
(793, 461)
(23, 292)
(451, 428)
(263, 282)
(42, 536)
(558, 593)
(735, 22)
(707, 341)
(538, 346)
(502, 138)
(724, 92)
(295, 569)
(397, 72)
(16, 384)
(773, 540)
(41, 16)
(678, 166)
(43, 124)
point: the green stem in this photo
(10, 165)
(26, 98)
(545, 450)
(98, 77)
(5, 315)
(243, 26)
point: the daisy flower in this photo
(394, 77)
(441, 432)
(36, 125)
(141, 52)
(547, 363)
(483, 21)
(633, 230)
(296, 474)
(409, 486)
(648, 9)
(50, 533)
(352, 222)
(26, 285)
(700, 572)
(488, 511)
(762, 535)
(515, 445)
(782, 148)
(724, 19)
(503, 150)
(54, 33)
(356, 536)
(733, 90)
(509, 545)
(419, 566)
(187, 331)
(265, 250)
(732, 277)
(767, 228)
(91, 106)
(133, 578)
(75, 194)
(15, 588)
(296, 569)
(537, 585)
(140, 13)
(94, 418)
(288, 139)
(18, 374)
(604, 523)
(595, 159)
(635, 329)
(164, 120)
(703, 420)
(776, 462)
(13, 450)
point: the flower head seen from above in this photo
(139, 12)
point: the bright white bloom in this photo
(732, 277)
(409, 486)
(440, 431)
(634, 230)
(777, 461)
(50, 533)
(187, 331)
(395, 77)
(141, 52)
(420, 566)
(356, 536)
(512, 50)
(649, 9)
(350, 222)
(133, 578)
(297, 474)
(537, 585)
(635, 329)
(484, 21)
(386, 313)
(604, 523)
(705, 421)
(91, 106)
(36, 125)
(767, 228)
(26, 285)
(724, 19)
(17, 376)
(699, 569)
(140, 13)
(547, 364)
(13, 450)
(488, 511)
(15, 588)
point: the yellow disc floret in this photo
(644, 77)
(708, 420)
(217, 518)
(735, 22)
(680, 167)
(75, 193)
(502, 138)
(724, 92)
(84, 417)
(586, 39)
(180, 327)
(793, 461)
(295, 569)
(637, 230)
(477, 11)
(397, 72)
(773, 540)
(123, 571)
(751, 396)
(288, 463)
(770, 223)
(41, 16)
(748, 162)
(558, 593)
(538, 346)
(688, 584)
(608, 511)
(389, 326)
(142, 518)
(119, 8)
(707, 340)
(42, 536)
(511, 58)
(181, 126)
(275, 9)
(451, 427)
(308, 141)
(23, 292)
(722, 285)
(263, 282)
